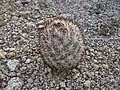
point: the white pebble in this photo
(14, 83)
(12, 64)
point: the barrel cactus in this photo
(61, 43)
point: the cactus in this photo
(61, 43)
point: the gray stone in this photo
(14, 83)
(48, 1)
(76, 75)
(28, 60)
(34, 88)
(62, 84)
(12, 64)
(2, 53)
(118, 48)
(87, 83)
(11, 55)
(119, 32)
(30, 80)
(105, 66)
(67, 15)
(31, 24)
(95, 0)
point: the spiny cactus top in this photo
(61, 43)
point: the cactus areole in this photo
(61, 43)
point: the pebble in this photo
(41, 26)
(75, 71)
(51, 84)
(2, 53)
(12, 64)
(87, 83)
(96, 66)
(34, 88)
(95, 0)
(14, 83)
(92, 50)
(76, 75)
(49, 1)
(15, 18)
(23, 13)
(11, 55)
(95, 61)
(31, 24)
(9, 49)
(119, 32)
(118, 48)
(105, 66)
(30, 80)
(28, 61)
(86, 5)
(1, 41)
(40, 22)
(62, 84)
(67, 15)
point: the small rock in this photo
(49, 1)
(15, 18)
(118, 48)
(51, 84)
(75, 71)
(67, 15)
(41, 26)
(96, 66)
(95, 60)
(28, 60)
(23, 68)
(87, 83)
(34, 88)
(40, 21)
(24, 13)
(1, 41)
(119, 32)
(92, 50)
(86, 5)
(67, 88)
(2, 53)
(31, 24)
(105, 66)
(14, 83)
(12, 64)
(11, 55)
(30, 80)
(95, 0)
(62, 84)
(12, 49)
(76, 75)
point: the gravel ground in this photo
(21, 65)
